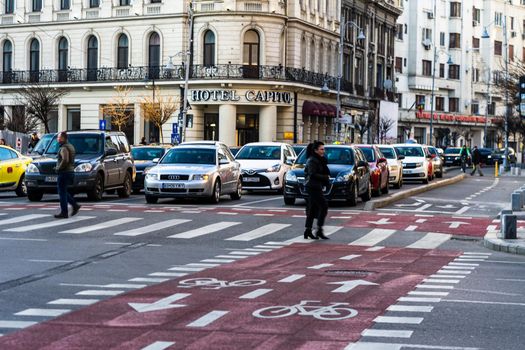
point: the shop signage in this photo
(452, 117)
(251, 96)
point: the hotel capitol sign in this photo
(246, 96)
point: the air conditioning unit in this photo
(475, 23)
(427, 44)
(430, 15)
(513, 34)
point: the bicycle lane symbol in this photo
(213, 283)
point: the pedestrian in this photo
(66, 176)
(317, 176)
(476, 160)
(143, 141)
(2, 142)
(34, 140)
(464, 155)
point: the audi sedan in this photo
(194, 171)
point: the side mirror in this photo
(111, 152)
(290, 160)
(156, 160)
(362, 163)
(401, 157)
(223, 161)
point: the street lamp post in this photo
(343, 25)
(191, 13)
(485, 143)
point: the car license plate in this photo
(177, 185)
(251, 179)
(51, 178)
(408, 171)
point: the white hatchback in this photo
(416, 165)
(395, 165)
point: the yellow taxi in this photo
(12, 171)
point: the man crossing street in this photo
(66, 176)
(476, 160)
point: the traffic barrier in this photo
(515, 201)
(508, 227)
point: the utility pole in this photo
(191, 9)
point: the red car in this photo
(379, 173)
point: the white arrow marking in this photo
(408, 205)
(448, 206)
(162, 304)
(349, 257)
(347, 286)
(383, 221)
(456, 224)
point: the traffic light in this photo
(521, 97)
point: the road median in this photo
(383, 202)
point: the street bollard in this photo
(504, 212)
(496, 171)
(515, 200)
(508, 227)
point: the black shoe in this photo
(75, 210)
(61, 216)
(320, 234)
(308, 234)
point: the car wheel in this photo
(238, 193)
(34, 196)
(352, 198)
(95, 194)
(289, 200)
(125, 191)
(386, 189)
(21, 189)
(368, 194)
(216, 193)
(440, 174)
(151, 199)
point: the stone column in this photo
(228, 124)
(62, 117)
(138, 123)
(267, 123)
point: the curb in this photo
(513, 246)
(380, 203)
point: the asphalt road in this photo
(49, 268)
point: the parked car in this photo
(41, 146)
(452, 156)
(194, 171)
(144, 157)
(395, 165)
(349, 176)
(264, 165)
(235, 150)
(298, 148)
(486, 156)
(12, 171)
(103, 163)
(379, 172)
(416, 164)
(499, 155)
(437, 162)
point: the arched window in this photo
(251, 54)
(34, 60)
(7, 61)
(63, 58)
(209, 48)
(92, 58)
(154, 55)
(123, 52)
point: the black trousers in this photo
(316, 207)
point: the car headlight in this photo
(274, 168)
(419, 165)
(33, 169)
(489, 157)
(343, 177)
(290, 176)
(457, 158)
(393, 167)
(83, 168)
(151, 175)
(201, 177)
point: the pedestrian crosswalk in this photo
(284, 230)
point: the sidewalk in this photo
(513, 246)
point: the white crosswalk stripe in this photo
(49, 224)
(151, 228)
(101, 226)
(373, 237)
(205, 230)
(430, 241)
(328, 231)
(23, 218)
(259, 232)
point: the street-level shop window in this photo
(211, 127)
(209, 48)
(419, 135)
(73, 119)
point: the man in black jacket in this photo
(476, 160)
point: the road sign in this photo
(102, 124)
(175, 139)
(522, 96)
(175, 128)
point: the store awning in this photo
(311, 109)
(323, 111)
(332, 110)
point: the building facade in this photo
(259, 70)
(445, 40)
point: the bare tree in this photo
(118, 109)
(19, 121)
(364, 124)
(39, 101)
(159, 110)
(385, 125)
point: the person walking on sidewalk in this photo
(66, 176)
(476, 160)
(317, 177)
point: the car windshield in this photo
(84, 144)
(147, 153)
(298, 149)
(452, 150)
(409, 151)
(42, 144)
(388, 152)
(432, 150)
(234, 150)
(502, 151)
(334, 155)
(190, 156)
(369, 154)
(260, 152)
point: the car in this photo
(395, 165)
(416, 165)
(298, 148)
(349, 176)
(380, 174)
(499, 155)
(194, 171)
(144, 157)
(264, 165)
(452, 156)
(12, 171)
(486, 155)
(235, 150)
(41, 146)
(103, 163)
(437, 162)
(212, 143)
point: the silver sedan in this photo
(204, 171)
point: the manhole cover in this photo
(359, 273)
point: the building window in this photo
(442, 39)
(455, 9)
(497, 48)
(94, 3)
(474, 108)
(9, 6)
(427, 68)
(441, 70)
(209, 48)
(154, 55)
(399, 31)
(427, 34)
(34, 60)
(251, 54)
(454, 41)
(420, 102)
(475, 43)
(475, 75)
(63, 57)
(313, 54)
(123, 52)
(125, 2)
(511, 52)
(92, 58)
(476, 15)
(453, 71)
(65, 4)
(491, 108)
(420, 135)
(453, 104)
(7, 56)
(440, 104)
(399, 65)
(37, 5)
(498, 19)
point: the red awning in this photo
(311, 109)
(332, 110)
(323, 111)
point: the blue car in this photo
(144, 157)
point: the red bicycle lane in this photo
(307, 297)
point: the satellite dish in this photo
(387, 84)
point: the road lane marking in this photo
(431, 240)
(458, 272)
(349, 257)
(100, 292)
(410, 308)
(375, 249)
(291, 278)
(148, 280)
(429, 294)
(23, 239)
(240, 252)
(398, 346)
(423, 207)
(16, 324)
(167, 274)
(430, 280)
(434, 286)
(50, 261)
(476, 253)
(256, 202)
(102, 226)
(373, 237)
(398, 320)
(386, 333)
(328, 231)
(49, 224)
(73, 302)
(411, 228)
(465, 260)
(187, 269)
(462, 264)
(258, 250)
(43, 312)
(482, 302)
(446, 276)
(320, 266)
(462, 210)
(256, 293)
(231, 256)
(458, 268)
(202, 265)
(420, 300)
(205, 230)
(159, 345)
(259, 232)
(207, 319)
(220, 261)
(151, 228)
(23, 218)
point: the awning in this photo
(311, 109)
(323, 111)
(332, 110)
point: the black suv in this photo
(103, 162)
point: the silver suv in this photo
(194, 171)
